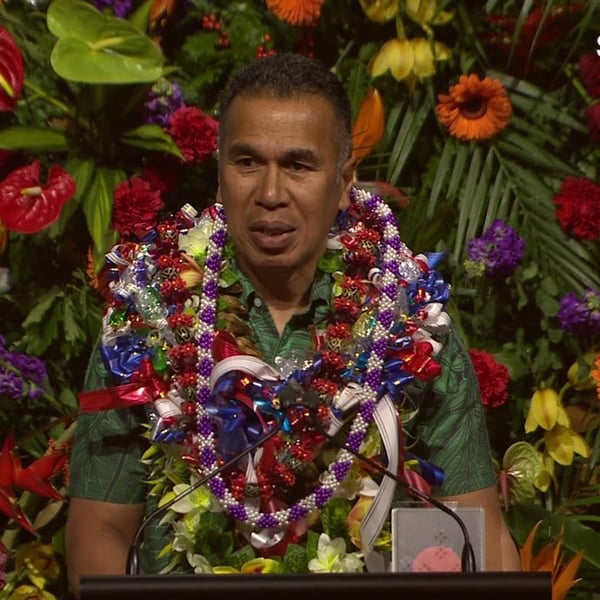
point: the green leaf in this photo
(151, 137)
(97, 207)
(33, 139)
(295, 559)
(97, 48)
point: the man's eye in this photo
(246, 162)
(296, 166)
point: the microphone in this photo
(467, 559)
(133, 558)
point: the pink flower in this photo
(194, 133)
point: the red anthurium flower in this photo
(11, 71)
(26, 205)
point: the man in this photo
(267, 329)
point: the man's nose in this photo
(271, 192)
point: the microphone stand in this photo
(467, 559)
(133, 559)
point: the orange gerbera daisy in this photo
(296, 12)
(475, 109)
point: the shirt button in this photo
(257, 302)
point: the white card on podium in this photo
(427, 539)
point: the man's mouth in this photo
(271, 236)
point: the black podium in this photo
(331, 586)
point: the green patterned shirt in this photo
(450, 428)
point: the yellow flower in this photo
(30, 592)
(261, 565)
(562, 443)
(426, 12)
(355, 517)
(39, 562)
(380, 11)
(546, 474)
(409, 60)
(580, 374)
(545, 411)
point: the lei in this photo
(165, 340)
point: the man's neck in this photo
(284, 294)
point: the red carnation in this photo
(492, 378)
(589, 72)
(194, 133)
(592, 115)
(578, 208)
(135, 207)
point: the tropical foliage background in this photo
(88, 92)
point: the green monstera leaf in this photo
(96, 48)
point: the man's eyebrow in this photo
(287, 156)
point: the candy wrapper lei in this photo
(208, 402)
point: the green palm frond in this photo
(511, 177)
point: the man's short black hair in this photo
(286, 76)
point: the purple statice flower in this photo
(121, 8)
(163, 99)
(30, 367)
(11, 385)
(498, 251)
(580, 316)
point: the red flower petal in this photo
(9, 506)
(11, 71)
(7, 465)
(26, 206)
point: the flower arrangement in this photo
(483, 124)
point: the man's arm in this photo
(98, 537)
(501, 553)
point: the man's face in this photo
(279, 181)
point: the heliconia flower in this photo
(563, 443)
(551, 559)
(474, 108)
(39, 562)
(27, 206)
(11, 71)
(426, 13)
(380, 11)
(545, 411)
(411, 60)
(296, 12)
(34, 478)
(369, 125)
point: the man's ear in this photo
(347, 181)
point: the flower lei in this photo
(385, 310)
